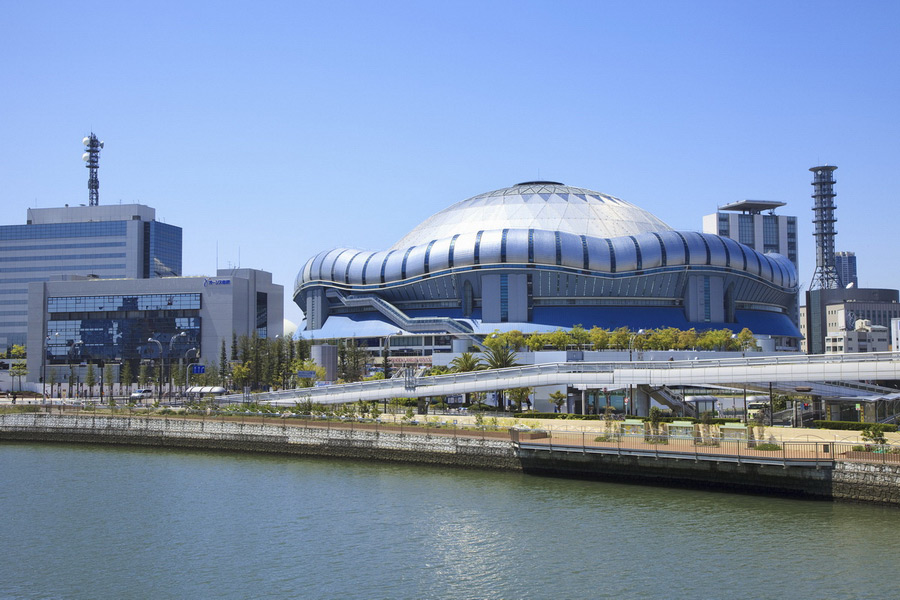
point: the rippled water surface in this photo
(94, 522)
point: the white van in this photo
(141, 394)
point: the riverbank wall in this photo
(836, 480)
(276, 436)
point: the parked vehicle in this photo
(757, 405)
(141, 394)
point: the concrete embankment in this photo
(840, 480)
(277, 436)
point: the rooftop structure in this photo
(752, 207)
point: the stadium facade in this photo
(539, 256)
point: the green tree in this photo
(108, 379)
(465, 363)
(620, 338)
(746, 340)
(19, 368)
(223, 363)
(242, 375)
(664, 339)
(599, 338)
(655, 419)
(535, 341)
(559, 339)
(520, 396)
(386, 358)
(687, 340)
(580, 337)
(558, 399)
(126, 377)
(500, 357)
(90, 379)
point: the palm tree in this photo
(465, 363)
(500, 357)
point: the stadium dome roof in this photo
(545, 205)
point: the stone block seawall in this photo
(862, 482)
(387, 444)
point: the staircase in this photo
(404, 321)
(670, 399)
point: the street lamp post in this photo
(634, 336)
(44, 369)
(169, 354)
(187, 370)
(71, 369)
(159, 377)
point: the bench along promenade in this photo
(817, 469)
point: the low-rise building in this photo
(76, 321)
(864, 337)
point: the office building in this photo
(845, 265)
(744, 222)
(80, 321)
(833, 310)
(863, 337)
(103, 242)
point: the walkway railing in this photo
(554, 373)
(818, 453)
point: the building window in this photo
(504, 298)
(745, 230)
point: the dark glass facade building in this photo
(103, 242)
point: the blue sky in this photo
(272, 130)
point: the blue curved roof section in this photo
(546, 248)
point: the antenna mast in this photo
(92, 157)
(826, 276)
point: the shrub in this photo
(851, 426)
(768, 446)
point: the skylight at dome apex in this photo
(541, 255)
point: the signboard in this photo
(198, 369)
(210, 281)
(306, 374)
(410, 360)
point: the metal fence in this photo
(817, 453)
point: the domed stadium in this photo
(539, 256)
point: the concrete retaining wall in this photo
(879, 483)
(440, 449)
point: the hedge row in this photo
(537, 415)
(851, 426)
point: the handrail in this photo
(393, 388)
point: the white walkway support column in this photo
(640, 402)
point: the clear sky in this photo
(272, 130)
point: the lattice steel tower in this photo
(92, 158)
(826, 276)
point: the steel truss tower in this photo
(92, 158)
(826, 276)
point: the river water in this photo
(95, 522)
